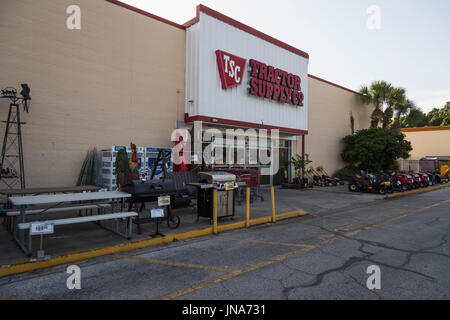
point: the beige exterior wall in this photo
(329, 121)
(118, 79)
(426, 142)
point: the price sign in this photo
(37, 228)
(157, 213)
(229, 186)
(163, 201)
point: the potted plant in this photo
(299, 164)
(121, 169)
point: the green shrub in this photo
(345, 172)
(375, 149)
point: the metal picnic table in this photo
(55, 200)
(36, 191)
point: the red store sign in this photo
(275, 84)
(231, 69)
(265, 81)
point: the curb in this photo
(21, 267)
(406, 193)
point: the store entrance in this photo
(252, 160)
(283, 174)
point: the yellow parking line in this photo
(199, 286)
(231, 275)
(285, 256)
(174, 263)
(26, 266)
(401, 194)
(6, 298)
(265, 242)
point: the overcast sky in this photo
(411, 49)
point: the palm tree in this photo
(402, 108)
(415, 118)
(395, 100)
(377, 94)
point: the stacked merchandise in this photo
(146, 161)
(151, 155)
(109, 161)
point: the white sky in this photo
(411, 49)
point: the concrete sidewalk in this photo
(75, 238)
(325, 256)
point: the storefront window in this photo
(246, 156)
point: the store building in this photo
(128, 75)
(428, 141)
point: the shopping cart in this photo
(251, 178)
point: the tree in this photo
(377, 94)
(439, 117)
(375, 149)
(434, 117)
(445, 114)
(395, 100)
(401, 108)
(415, 118)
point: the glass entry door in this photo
(246, 156)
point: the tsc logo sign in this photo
(231, 69)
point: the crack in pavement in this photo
(443, 241)
(366, 257)
(385, 246)
(362, 286)
(353, 259)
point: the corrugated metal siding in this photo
(192, 69)
(235, 103)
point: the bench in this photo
(12, 213)
(62, 209)
(95, 218)
(60, 222)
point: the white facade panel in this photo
(192, 69)
(211, 34)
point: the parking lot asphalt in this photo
(87, 236)
(324, 255)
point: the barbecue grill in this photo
(150, 191)
(222, 181)
(225, 184)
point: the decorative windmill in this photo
(11, 162)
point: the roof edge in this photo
(243, 27)
(145, 13)
(433, 128)
(333, 84)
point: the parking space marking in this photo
(285, 256)
(175, 264)
(233, 274)
(286, 244)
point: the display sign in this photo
(229, 186)
(37, 228)
(157, 213)
(163, 201)
(275, 84)
(231, 69)
(265, 81)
